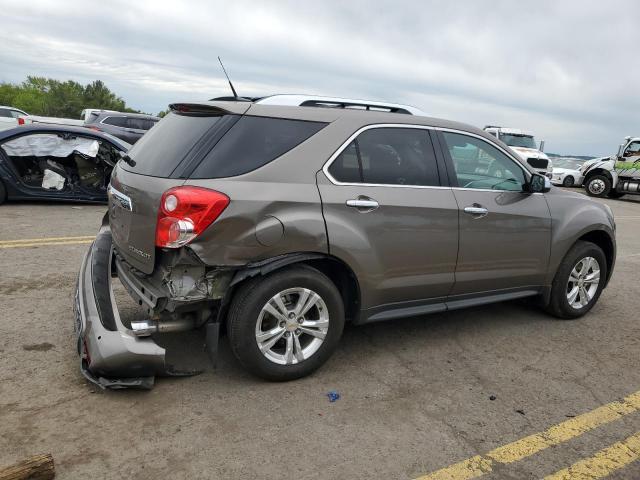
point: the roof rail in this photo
(337, 102)
(491, 126)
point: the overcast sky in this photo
(568, 71)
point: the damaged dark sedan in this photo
(57, 162)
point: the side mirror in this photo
(537, 184)
(620, 147)
(541, 146)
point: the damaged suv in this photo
(282, 223)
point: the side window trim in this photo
(354, 137)
(450, 168)
(447, 178)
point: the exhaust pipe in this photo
(145, 328)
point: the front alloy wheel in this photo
(292, 326)
(578, 282)
(583, 283)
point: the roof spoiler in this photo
(197, 109)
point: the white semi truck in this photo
(614, 176)
(524, 144)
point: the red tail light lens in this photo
(185, 212)
(20, 121)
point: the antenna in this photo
(228, 79)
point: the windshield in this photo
(568, 163)
(513, 140)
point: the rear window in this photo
(164, 146)
(253, 142)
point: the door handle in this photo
(476, 210)
(363, 204)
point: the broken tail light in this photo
(185, 212)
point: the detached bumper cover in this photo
(111, 356)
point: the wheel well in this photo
(344, 279)
(337, 271)
(603, 240)
(599, 171)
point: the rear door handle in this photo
(363, 204)
(476, 210)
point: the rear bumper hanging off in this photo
(111, 355)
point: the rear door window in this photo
(137, 123)
(116, 121)
(388, 156)
(253, 142)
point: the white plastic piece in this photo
(52, 179)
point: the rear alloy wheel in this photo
(598, 186)
(578, 282)
(568, 181)
(292, 326)
(287, 324)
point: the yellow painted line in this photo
(46, 239)
(602, 463)
(477, 466)
(44, 244)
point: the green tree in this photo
(51, 97)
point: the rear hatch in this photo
(161, 159)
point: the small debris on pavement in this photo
(333, 396)
(521, 412)
(492, 398)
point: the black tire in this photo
(559, 304)
(3, 193)
(598, 186)
(615, 194)
(247, 304)
(568, 181)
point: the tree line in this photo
(53, 98)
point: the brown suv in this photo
(284, 222)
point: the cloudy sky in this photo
(566, 70)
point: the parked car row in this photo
(127, 126)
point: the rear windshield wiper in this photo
(127, 159)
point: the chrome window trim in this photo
(341, 148)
